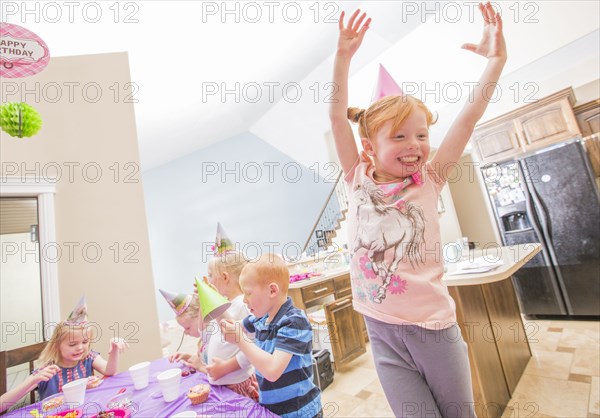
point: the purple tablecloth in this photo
(149, 402)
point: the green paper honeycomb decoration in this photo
(19, 119)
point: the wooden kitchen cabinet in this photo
(347, 330)
(537, 125)
(588, 117)
(548, 124)
(497, 142)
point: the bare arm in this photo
(271, 366)
(109, 368)
(349, 41)
(9, 398)
(492, 47)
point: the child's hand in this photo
(492, 43)
(231, 331)
(118, 344)
(205, 280)
(45, 374)
(179, 357)
(216, 369)
(351, 36)
(195, 362)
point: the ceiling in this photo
(207, 71)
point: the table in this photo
(488, 314)
(222, 401)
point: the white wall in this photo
(184, 202)
(20, 292)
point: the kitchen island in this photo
(488, 314)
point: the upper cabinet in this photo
(588, 117)
(497, 141)
(530, 127)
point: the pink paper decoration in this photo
(22, 52)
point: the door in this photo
(345, 331)
(566, 196)
(536, 284)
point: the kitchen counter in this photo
(488, 314)
(513, 258)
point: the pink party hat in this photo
(179, 302)
(79, 314)
(386, 86)
(222, 242)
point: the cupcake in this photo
(53, 403)
(198, 393)
(94, 381)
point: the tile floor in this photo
(562, 378)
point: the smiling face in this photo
(74, 346)
(401, 153)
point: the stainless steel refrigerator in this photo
(551, 197)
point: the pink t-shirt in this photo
(394, 236)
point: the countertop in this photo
(513, 257)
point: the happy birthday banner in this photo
(22, 52)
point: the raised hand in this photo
(231, 331)
(117, 345)
(492, 43)
(351, 36)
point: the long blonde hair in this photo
(396, 108)
(51, 353)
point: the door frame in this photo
(43, 189)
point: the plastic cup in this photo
(169, 383)
(140, 374)
(74, 391)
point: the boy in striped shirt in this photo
(282, 348)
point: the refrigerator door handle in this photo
(538, 203)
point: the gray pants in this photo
(424, 373)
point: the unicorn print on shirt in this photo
(397, 227)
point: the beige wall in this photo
(473, 209)
(89, 125)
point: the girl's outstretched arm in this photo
(349, 41)
(492, 47)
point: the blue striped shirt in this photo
(294, 394)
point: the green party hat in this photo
(179, 302)
(212, 303)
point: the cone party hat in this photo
(79, 314)
(212, 303)
(222, 241)
(386, 86)
(178, 302)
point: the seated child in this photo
(282, 349)
(238, 379)
(68, 357)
